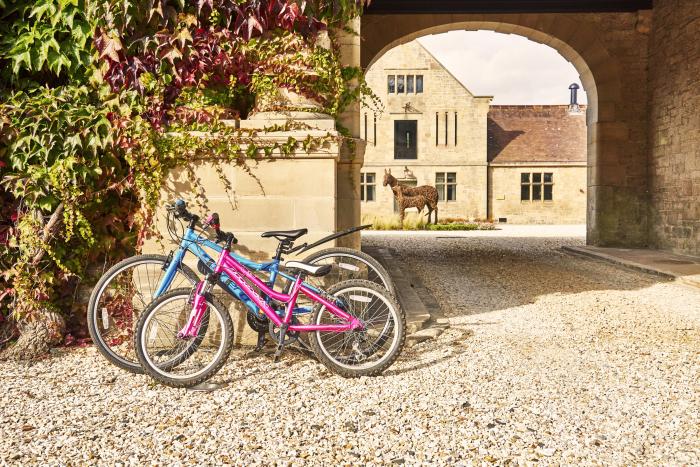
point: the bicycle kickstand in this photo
(280, 344)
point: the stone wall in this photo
(567, 207)
(470, 198)
(674, 109)
(281, 193)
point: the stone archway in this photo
(610, 52)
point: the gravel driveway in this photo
(549, 358)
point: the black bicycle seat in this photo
(285, 234)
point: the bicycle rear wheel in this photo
(182, 362)
(118, 300)
(349, 264)
(366, 352)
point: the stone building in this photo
(523, 164)
(431, 125)
(537, 164)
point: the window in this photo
(447, 123)
(455, 128)
(405, 84)
(368, 187)
(365, 126)
(405, 133)
(548, 187)
(536, 186)
(524, 187)
(437, 129)
(374, 141)
(446, 184)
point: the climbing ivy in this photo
(99, 100)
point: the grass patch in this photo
(414, 221)
(454, 227)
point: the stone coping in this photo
(684, 268)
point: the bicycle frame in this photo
(193, 243)
(228, 264)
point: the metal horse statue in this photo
(428, 192)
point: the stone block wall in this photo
(674, 110)
(567, 207)
(283, 193)
(470, 198)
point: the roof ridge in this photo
(442, 65)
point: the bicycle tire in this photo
(347, 371)
(157, 372)
(340, 252)
(92, 314)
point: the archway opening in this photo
(494, 146)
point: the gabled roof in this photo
(536, 133)
(447, 70)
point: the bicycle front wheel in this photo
(118, 300)
(362, 352)
(176, 361)
(348, 264)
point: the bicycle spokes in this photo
(364, 346)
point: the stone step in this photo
(419, 304)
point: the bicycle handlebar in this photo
(179, 210)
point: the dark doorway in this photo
(405, 134)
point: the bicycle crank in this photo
(289, 336)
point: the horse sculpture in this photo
(429, 193)
(405, 202)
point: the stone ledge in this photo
(683, 268)
(424, 317)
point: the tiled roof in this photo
(536, 133)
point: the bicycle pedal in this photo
(278, 354)
(261, 342)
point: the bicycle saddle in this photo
(311, 269)
(285, 234)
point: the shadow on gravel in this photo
(472, 275)
(445, 350)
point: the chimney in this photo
(574, 107)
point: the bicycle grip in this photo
(213, 222)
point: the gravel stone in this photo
(549, 359)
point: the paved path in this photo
(550, 358)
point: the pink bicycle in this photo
(185, 336)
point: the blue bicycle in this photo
(127, 288)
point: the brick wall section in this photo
(674, 109)
(536, 133)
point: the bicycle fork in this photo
(199, 306)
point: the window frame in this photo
(412, 146)
(391, 84)
(536, 183)
(443, 187)
(365, 186)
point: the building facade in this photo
(483, 159)
(429, 133)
